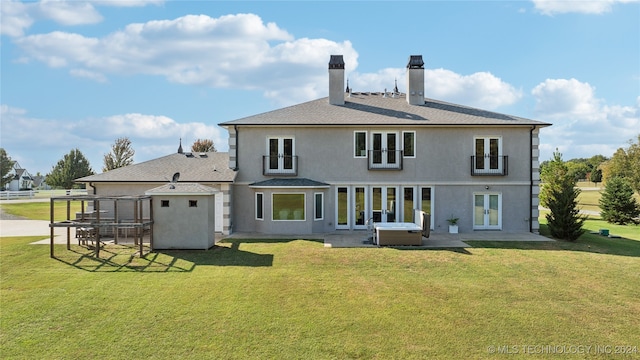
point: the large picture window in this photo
(288, 206)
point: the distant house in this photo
(22, 180)
(337, 163)
(209, 169)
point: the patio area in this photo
(353, 239)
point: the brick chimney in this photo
(415, 80)
(336, 80)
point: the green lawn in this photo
(297, 299)
(41, 210)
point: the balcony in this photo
(489, 165)
(280, 165)
(385, 159)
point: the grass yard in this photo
(297, 299)
(41, 210)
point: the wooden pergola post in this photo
(68, 228)
(51, 228)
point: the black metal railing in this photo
(280, 165)
(385, 159)
(489, 165)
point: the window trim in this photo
(304, 205)
(315, 206)
(355, 143)
(404, 149)
(259, 206)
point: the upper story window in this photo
(488, 158)
(409, 144)
(281, 159)
(360, 144)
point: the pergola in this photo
(90, 224)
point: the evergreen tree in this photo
(560, 195)
(72, 166)
(6, 165)
(617, 204)
(121, 155)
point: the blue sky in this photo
(78, 74)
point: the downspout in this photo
(235, 129)
(531, 178)
(94, 188)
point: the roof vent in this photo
(203, 154)
(188, 154)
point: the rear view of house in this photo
(354, 157)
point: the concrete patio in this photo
(352, 239)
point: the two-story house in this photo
(338, 162)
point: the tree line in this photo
(559, 192)
(75, 165)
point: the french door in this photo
(487, 211)
(487, 154)
(385, 146)
(281, 154)
(384, 203)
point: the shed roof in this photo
(371, 108)
(193, 167)
(182, 189)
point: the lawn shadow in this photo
(115, 258)
(587, 243)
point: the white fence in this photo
(7, 195)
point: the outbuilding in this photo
(184, 216)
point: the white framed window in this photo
(360, 144)
(318, 206)
(487, 154)
(288, 206)
(281, 155)
(259, 206)
(409, 144)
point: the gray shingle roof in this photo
(381, 109)
(182, 189)
(209, 167)
(290, 182)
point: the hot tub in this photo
(403, 233)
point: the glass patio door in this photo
(384, 203)
(487, 211)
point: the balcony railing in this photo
(280, 165)
(385, 159)
(489, 165)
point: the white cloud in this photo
(91, 75)
(582, 123)
(18, 16)
(232, 51)
(15, 18)
(481, 89)
(38, 144)
(552, 7)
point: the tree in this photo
(203, 145)
(560, 195)
(625, 163)
(617, 204)
(6, 165)
(121, 155)
(72, 166)
(596, 176)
